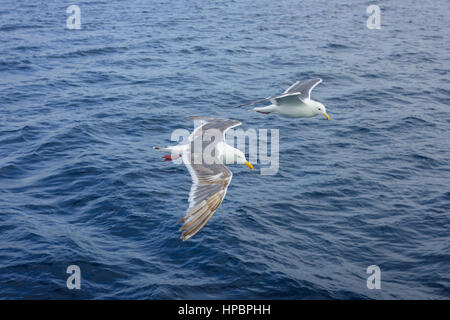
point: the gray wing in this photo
(300, 89)
(287, 100)
(209, 180)
(213, 124)
(303, 88)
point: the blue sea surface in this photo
(80, 111)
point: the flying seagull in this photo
(205, 159)
(295, 102)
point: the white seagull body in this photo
(295, 102)
(210, 177)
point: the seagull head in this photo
(320, 109)
(240, 158)
(233, 155)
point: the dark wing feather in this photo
(210, 181)
(303, 88)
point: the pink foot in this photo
(168, 157)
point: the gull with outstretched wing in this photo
(295, 102)
(205, 159)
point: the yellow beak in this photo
(326, 116)
(248, 164)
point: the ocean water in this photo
(80, 111)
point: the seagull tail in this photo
(267, 109)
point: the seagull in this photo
(205, 160)
(295, 102)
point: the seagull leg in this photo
(169, 157)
